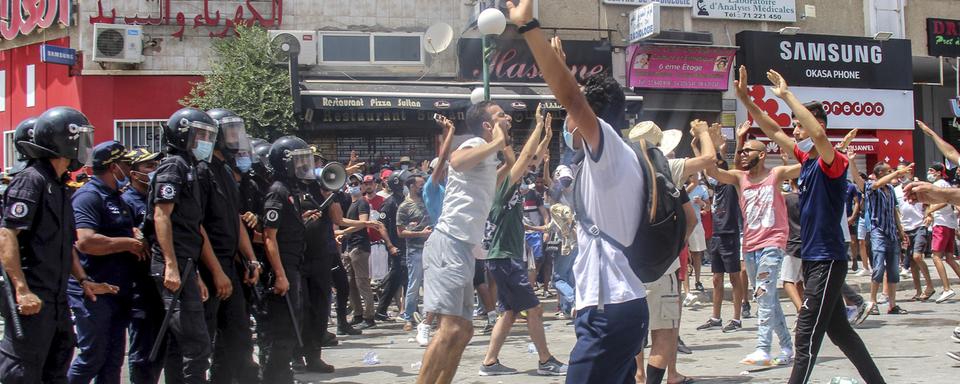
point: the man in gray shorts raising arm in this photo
(448, 263)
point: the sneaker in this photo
(689, 299)
(699, 287)
(760, 358)
(382, 317)
(863, 312)
(367, 324)
(496, 369)
(683, 348)
(745, 310)
(319, 366)
(956, 334)
(552, 367)
(946, 295)
(882, 299)
(784, 358)
(417, 317)
(298, 365)
(356, 320)
(954, 355)
(711, 323)
(348, 330)
(904, 273)
(864, 272)
(423, 334)
(561, 315)
(851, 314)
(487, 329)
(896, 310)
(732, 326)
(329, 340)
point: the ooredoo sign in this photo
(846, 108)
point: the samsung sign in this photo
(827, 61)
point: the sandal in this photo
(686, 380)
(927, 295)
(916, 297)
(896, 310)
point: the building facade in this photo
(371, 76)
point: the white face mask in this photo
(805, 145)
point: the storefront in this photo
(384, 120)
(862, 82)
(679, 83)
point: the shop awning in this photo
(425, 96)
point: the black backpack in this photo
(663, 224)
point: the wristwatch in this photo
(254, 263)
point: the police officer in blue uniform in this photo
(175, 211)
(226, 312)
(36, 248)
(108, 252)
(283, 231)
(147, 307)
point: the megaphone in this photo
(332, 176)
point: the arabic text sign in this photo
(679, 67)
(188, 14)
(760, 10)
(645, 22)
(21, 17)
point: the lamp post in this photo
(491, 22)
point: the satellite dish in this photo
(437, 38)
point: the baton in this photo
(169, 315)
(11, 304)
(293, 319)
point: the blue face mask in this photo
(354, 190)
(150, 176)
(244, 163)
(568, 136)
(122, 183)
(805, 145)
(203, 151)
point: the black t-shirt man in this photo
(359, 239)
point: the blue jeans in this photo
(770, 318)
(608, 342)
(885, 256)
(750, 264)
(563, 281)
(414, 281)
(101, 337)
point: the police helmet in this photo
(61, 132)
(185, 126)
(291, 157)
(232, 137)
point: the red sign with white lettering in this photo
(21, 17)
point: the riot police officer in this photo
(283, 221)
(147, 307)
(227, 319)
(23, 133)
(175, 211)
(36, 248)
(108, 252)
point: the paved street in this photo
(908, 349)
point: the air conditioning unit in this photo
(117, 43)
(293, 41)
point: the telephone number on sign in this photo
(754, 16)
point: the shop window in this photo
(380, 48)
(9, 151)
(141, 133)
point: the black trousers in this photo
(188, 342)
(232, 337)
(396, 281)
(144, 326)
(317, 278)
(47, 347)
(823, 312)
(342, 284)
(281, 339)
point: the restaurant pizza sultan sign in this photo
(22, 17)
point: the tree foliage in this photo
(247, 80)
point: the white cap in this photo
(563, 171)
(433, 163)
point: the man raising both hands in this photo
(822, 186)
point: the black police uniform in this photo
(36, 204)
(396, 279)
(176, 182)
(282, 211)
(147, 308)
(102, 324)
(227, 321)
(317, 275)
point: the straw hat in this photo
(649, 131)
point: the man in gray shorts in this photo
(448, 255)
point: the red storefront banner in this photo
(679, 67)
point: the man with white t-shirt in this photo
(918, 237)
(944, 232)
(448, 255)
(611, 301)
